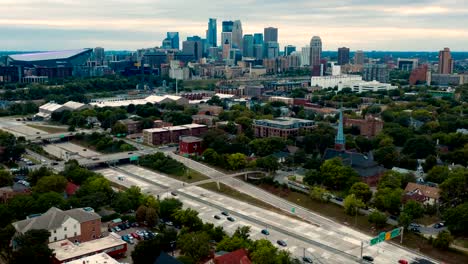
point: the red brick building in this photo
(419, 75)
(191, 145)
(133, 126)
(172, 134)
(369, 127)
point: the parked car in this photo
(217, 217)
(265, 232)
(281, 243)
(225, 213)
(393, 217)
(135, 235)
(439, 225)
(402, 261)
(173, 194)
(230, 218)
(339, 199)
(368, 258)
(307, 260)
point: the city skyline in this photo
(423, 25)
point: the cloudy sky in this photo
(405, 25)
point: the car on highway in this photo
(95, 158)
(339, 199)
(130, 153)
(402, 261)
(230, 218)
(173, 194)
(368, 258)
(225, 213)
(217, 217)
(282, 243)
(265, 232)
(439, 225)
(307, 260)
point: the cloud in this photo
(132, 24)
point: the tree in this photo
(419, 147)
(242, 232)
(151, 217)
(269, 163)
(49, 199)
(443, 240)
(390, 179)
(262, 251)
(378, 219)
(456, 219)
(119, 128)
(54, 183)
(211, 156)
(32, 247)
(147, 251)
(188, 218)
(388, 199)
(318, 193)
(237, 161)
(337, 176)
(5, 178)
(140, 213)
(195, 245)
(387, 156)
(404, 220)
(352, 204)
(438, 174)
(454, 190)
(266, 146)
(121, 203)
(215, 100)
(169, 206)
(313, 177)
(361, 191)
(233, 243)
(414, 209)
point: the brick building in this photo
(419, 75)
(172, 134)
(133, 126)
(190, 145)
(78, 225)
(281, 127)
(368, 127)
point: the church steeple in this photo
(340, 140)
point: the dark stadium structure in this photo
(51, 64)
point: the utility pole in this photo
(362, 249)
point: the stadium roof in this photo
(49, 55)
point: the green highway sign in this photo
(133, 158)
(62, 136)
(293, 210)
(385, 236)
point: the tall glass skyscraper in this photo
(227, 26)
(258, 38)
(237, 34)
(211, 33)
(248, 46)
(174, 38)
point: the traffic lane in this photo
(296, 247)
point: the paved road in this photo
(322, 222)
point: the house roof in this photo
(239, 256)
(427, 191)
(364, 165)
(51, 107)
(71, 188)
(73, 105)
(54, 218)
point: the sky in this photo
(397, 25)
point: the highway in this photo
(319, 244)
(327, 224)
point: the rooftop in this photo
(190, 139)
(73, 105)
(49, 55)
(101, 258)
(283, 121)
(65, 249)
(427, 191)
(50, 107)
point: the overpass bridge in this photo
(185, 185)
(56, 136)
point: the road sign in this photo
(62, 136)
(293, 210)
(385, 236)
(133, 158)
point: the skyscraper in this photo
(315, 55)
(305, 56)
(226, 49)
(271, 34)
(248, 46)
(228, 26)
(343, 56)
(258, 38)
(289, 49)
(445, 61)
(211, 33)
(194, 47)
(376, 72)
(173, 37)
(271, 50)
(359, 57)
(237, 35)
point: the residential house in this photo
(422, 193)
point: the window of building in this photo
(74, 226)
(55, 231)
(65, 228)
(55, 238)
(66, 236)
(75, 233)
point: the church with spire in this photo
(364, 164)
